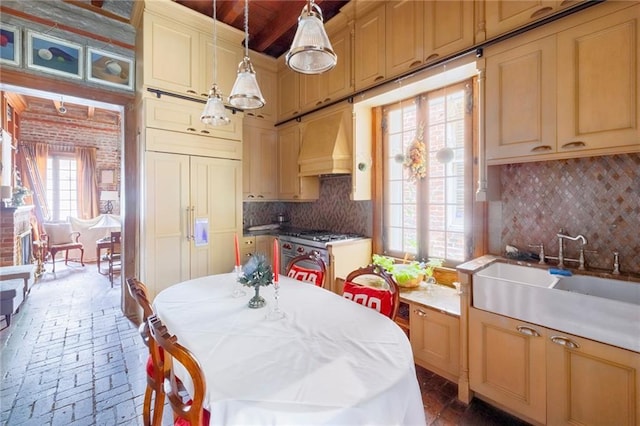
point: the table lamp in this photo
(109, 196)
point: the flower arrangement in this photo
(19, 192)
(256, 272)
(407, 274)
(416, 160)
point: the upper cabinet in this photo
(260, 160)
(566, 91)
(267, 77)
(178, 51)
(321, 89)
(370, 47)
(505, 15)
(292, 187)
(396, 37)
(599, 86)
(288, 92)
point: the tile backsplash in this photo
(598, 197)
(333, 211)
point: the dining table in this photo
(329, 361)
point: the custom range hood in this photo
(326, 145)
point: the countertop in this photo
(441, 298)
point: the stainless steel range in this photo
(296, 242)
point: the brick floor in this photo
(72, 358)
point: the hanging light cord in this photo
(215, 45)
(246, 28)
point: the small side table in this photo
(102, 244)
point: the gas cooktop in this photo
(311, 236)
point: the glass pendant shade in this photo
(214, 113)
(311, 51)
(245, 93)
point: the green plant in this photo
(256, 272)
(404, 273)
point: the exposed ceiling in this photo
(272, 23)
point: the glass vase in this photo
(257, 301)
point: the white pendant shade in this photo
(246, 93)
(311, 51)
(214, 113)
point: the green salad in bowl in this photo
(407, 274)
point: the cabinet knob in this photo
(431, 57)
(206, 132)
(420, 312)
(527, 330)
(574, 145)
(541, 11)
(541, 148)
(190, 129)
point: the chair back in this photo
(384, 300)
(115, 242)
(138, 291)
(191, 412)
(308, 267)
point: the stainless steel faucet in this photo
(561, 237)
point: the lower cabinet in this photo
(257, 244)
(551, 377)
(435, 340)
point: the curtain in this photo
(41, 156)
(87, 183)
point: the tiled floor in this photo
(71, 358)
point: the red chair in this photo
(155, 378)
(185, 412)
(313, 271)
(366, 290)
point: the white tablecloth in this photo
(330, 361)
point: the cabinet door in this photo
(591, 383)
(226, 67)
(260, 161)
(216, 197)
(288, 150)
(247, 248)
(288, 93)
(370, 48)
(404, 29)
(339, 81)
(448, 28)
(599, 86)
(435, 339)
(183, 116)
(313, 88)
(171, 56)
(165, 253)
(505, 15)
(264, 245)
(507, 362)
(268, 83)
(520, 100)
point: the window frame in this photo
(53, 176)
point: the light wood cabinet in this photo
(288, 93)
(179, 58)
(551, 377)
(180, 115)
(267, 77)
(317, 90)
(247, 248)
(403, 34)
(370, 48)
(257, 244)
(505, 15)
(521, 100)
(590, 383)
(599, 84)
(290, 185)
(192, 211)
(435, 339)
(260, 160)
(554, 95)
(507, 363)
(447, 28)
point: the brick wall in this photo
(102, 130)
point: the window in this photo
(62, 187)
(425, 203)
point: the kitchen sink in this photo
(622, 291)
(602, 309)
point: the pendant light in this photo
(214, 113)
(311, 51)
(246, 93)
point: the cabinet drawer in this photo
(183, 116)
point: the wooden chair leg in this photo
(158, 406)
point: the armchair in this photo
(60, 237)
